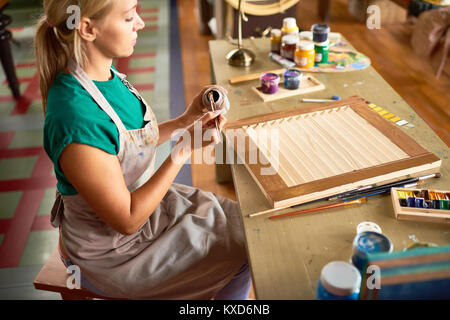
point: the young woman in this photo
(130, 230)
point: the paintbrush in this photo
(370, 188)
(213, 108)
(381, 191)
(335, 205)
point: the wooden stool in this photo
(53, 277)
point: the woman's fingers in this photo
(222, 121)
(209, 116)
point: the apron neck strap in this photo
(98, 97)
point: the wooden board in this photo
(302, 155)
(418, 214)
(419, 274)
(308, 84)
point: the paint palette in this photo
(306, 154)
(308, 84)
(421, 204)
(389, 116)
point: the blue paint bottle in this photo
(292, 79)
(420, 203)
(369, 242)
(411, 202)
(338, 280)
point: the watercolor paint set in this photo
(427, 205)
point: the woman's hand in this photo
(200, 134)
(196, 109)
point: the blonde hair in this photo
(55, 43)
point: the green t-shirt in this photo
(73, 116)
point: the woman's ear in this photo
(86, 29)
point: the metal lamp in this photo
(240, 57)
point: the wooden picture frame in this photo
(283, 189)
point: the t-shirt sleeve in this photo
(60, 130)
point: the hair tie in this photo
(49, 23)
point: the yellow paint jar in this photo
(401, 194)
(275, 41)
(289, 27)
(305, 54)
(409, 193)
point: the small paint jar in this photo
(320, 32)
(275, 41)
(269, 83)
(436, 204)
(420, 203)
(289, 27)
(322, 49)
(292, 79)
(338, 280)
(220, 99)
(368, 242)
(305, 54)
(288, 46)
(411, 202)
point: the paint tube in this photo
(282, 61)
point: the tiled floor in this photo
(27, 181)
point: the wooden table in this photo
(286, 255)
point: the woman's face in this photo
(117, 32)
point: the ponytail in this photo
(51, 56)
(55, 44)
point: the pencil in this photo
(334, 205)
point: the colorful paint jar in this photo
(288, 46)
(275, 41)
(369, 242)
(401, 194)
(292, 79)
(322, 49)
(434, 199)
(320, 32)
(420, 203)
(411, 202)
(424, 194)
(269, 83)
(289, 27)
(338, 280)
(305, 54)
(444, 204)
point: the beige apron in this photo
(189, 248)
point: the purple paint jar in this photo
(269, 83)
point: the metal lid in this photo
(275, 32)
(289, 23)
(289, 39)
(305, 45)
(320, 28)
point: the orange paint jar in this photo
(305, 54)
